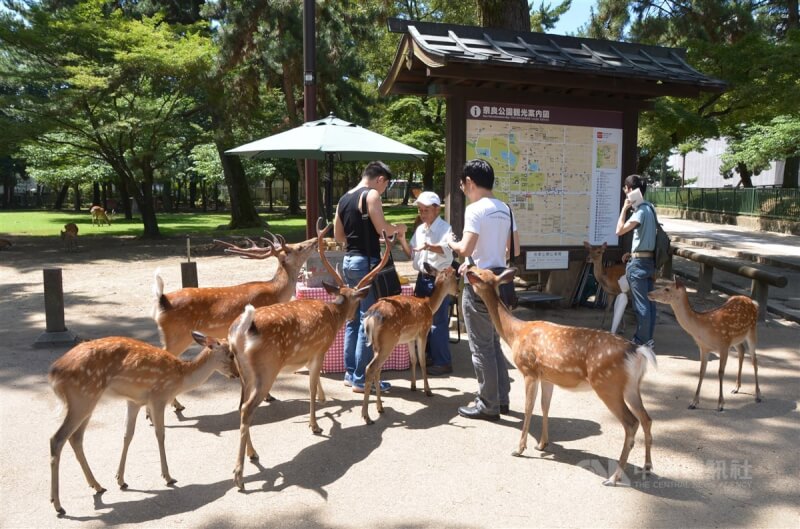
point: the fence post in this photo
(189, 268)
(704, 282)
(759, 292)
(55, 331)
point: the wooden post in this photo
(55, 331)
(189, 274)
(759, 294)
(704, 282)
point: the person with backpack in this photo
(641, 268)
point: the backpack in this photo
(662, 251)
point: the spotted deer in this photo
(69, 236)
(607, 277)
(285, 337)
(142, 374)
(731, 325)
(403, 319)
(211, 310)
(99, 216)
(571, 357)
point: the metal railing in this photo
(755, 201)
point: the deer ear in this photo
(472, 277)
(330, 289)
(431, 271)
(605, 245)
(202, 339)
(587, 245)
(507, 275)
(679, 283)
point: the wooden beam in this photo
(455, 157)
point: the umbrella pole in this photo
(329, 190)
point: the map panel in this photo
(555, 175)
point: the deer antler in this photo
(321, 249)
(252, 252)
(367, 279)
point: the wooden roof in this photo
(435, 59)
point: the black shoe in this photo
(473, 412)
(504, 409)
(435, 371)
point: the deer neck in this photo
(437, 297)
(600, 273)
(685, 314)
(505, 323)
(283, 280)
(195, 372)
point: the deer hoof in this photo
(60, 511)
(123, 486)
(610, 482)
(720, 408)
(367, 420)
(692, 406)
(758, 398)
(735, 391)
(316, 430)
(517, 453)
(171, 481)
(429, 393)
(541, 446)
(413, 387)
(254, 457)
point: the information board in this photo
(558, 168)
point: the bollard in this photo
(56, 331)
(189, 274)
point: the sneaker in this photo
(348, 380)
(359, 388)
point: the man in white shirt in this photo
(487, 226)
(429, 245)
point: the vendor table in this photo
(334, 357)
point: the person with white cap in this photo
(429, 245)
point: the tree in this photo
(761, 144)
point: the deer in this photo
(395, 319)
(142, 374)
(5, 243)
(608, 277)
(99, 216)
(285, 337)
(731, 325)
(211, 310)
(69, 236)
(571, 357)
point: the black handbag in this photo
(387, 282)
(507, 291)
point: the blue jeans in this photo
(640, 274)
(438, 346)
(487, 356)
(357, 354)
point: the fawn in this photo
(608, 277)
(137, 371)
(571, 357)
(99, 216)
(731, 325)
(69, 236)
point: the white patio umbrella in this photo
(329, 139)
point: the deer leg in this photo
(414, 355)
(751, 346)
(74, 423)
(130, 426)
(616, 404)
(547, 394)
(421, 342)
(256, 394)
(723, 360)
(633, 397)
(313, 385)
(531, 387)
(703, 364)
(372, 376)
(157, 412)
(609, 303)
(740, 351)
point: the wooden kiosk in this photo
(556, 117)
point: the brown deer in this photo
(403, 319)
(5, 243)
(607, 277)
(731, 325)
(69, 236)
(285, 337)
(571, 357)
(137, 371)
(99, 216)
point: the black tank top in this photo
(355, 226)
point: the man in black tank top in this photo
(360, 236)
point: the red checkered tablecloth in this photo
(334, 358)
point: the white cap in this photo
(429, 198)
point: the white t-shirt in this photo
(489, 218)
(437, 234)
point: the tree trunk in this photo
(745, 174)
(790, 172)
(61, 197)
(96, 193)
(243, 212)
(125, 198)
(505, 14)
(77, 188)
(167, 196)
(147, 205)
(294, 196)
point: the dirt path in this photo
(420, 465)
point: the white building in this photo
(703, 168)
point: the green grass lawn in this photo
(50, 223)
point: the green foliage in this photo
(761, 144)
